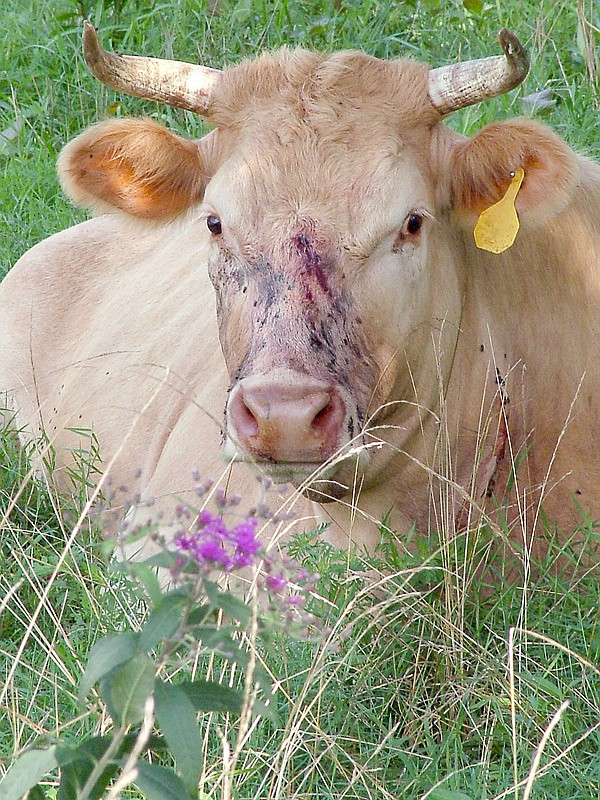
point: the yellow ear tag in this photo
(498, 225)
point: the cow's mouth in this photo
(315, 481)
(323, 482)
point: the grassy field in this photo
(423, 686)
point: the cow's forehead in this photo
(327, 138)
(333, 91)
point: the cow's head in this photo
(326, 191)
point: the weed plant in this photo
(427, 684)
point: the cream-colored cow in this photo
(300, 292)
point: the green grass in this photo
(420, 690)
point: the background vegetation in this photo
(424, 688)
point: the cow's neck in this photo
(523, 365)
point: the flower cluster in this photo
(208, 541)
(289, 586)
(285, 573)
(213, 545)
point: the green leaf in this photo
(164, 560)
(475, 7)
(220, 641)
(230, 605)
(77, 763)
(234, 607)
(261, 709)
(243, 12)
(143, 573)
(27, 770)
(36, 793)
(200, 613)
(217, 639)
(207, 696)
(164, 620)
(176, 717)
(126, 689)
(9, 136)
(90, 750)
(447, 794)
(159, 783)
(104, 656)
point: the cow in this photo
(299, 294)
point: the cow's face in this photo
(319, 258)
(323, 249)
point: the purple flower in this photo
(246, 542)
(213, 545)
(276, 583)
(182, 541)
(208, 550)
(296, 600)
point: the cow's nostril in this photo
(327, 423)
(323, 418)
(245, 421)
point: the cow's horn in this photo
(175, 83)
(460, 85)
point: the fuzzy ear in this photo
(479, 170)
(134, 165)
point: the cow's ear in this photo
(479, 170)
(134, 165)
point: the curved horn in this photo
(175, 83)
(460, 85)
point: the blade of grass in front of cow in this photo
(413, 693)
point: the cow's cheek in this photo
(392, 302)
(234, 329)
(234, 349)
(229, 284)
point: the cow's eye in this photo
(409, 232)
(413, 223)
(213, 223)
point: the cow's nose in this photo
(286, 421)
